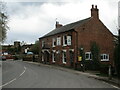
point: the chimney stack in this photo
(58, 25)
(94, 12)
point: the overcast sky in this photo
(31, 19)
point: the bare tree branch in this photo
(3, 21)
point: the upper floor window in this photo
(43, 43)
(67, 40)
(59, 41)
(54, 42)
(88, 56)
(104, 57)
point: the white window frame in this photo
(105, 57)
(42, 57)
(64, 40)
(53, 55)
(53, 42)
(69, 40)
(58, 41)
(89, 57)
(43, 43)
(63, 57)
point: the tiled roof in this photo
(67, 27)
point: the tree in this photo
(35, 48)
(95, 55)
(3, 22)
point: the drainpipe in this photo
(76, 49)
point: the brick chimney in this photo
(57, 25)
(94, 12)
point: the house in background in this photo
(17, 48)
(62, 45)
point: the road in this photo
(19, 74)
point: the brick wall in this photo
(95, 30)
(91, 31)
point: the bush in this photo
(89, 65)
(95, 51)
(104, 68)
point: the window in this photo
(68, 40)
(53, 56)
(43, 43)
(88, 56)
(104, 57)
(42, 57)
(54, 42)
(59, 41)
(64, 40)
(64, 57)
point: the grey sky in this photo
(30, 19)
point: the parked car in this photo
(9, 56)
(3, 58)
(15, 57)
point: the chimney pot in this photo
(96, 6)
(92, 6)
(94, 12)
(58, 25)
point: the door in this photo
(71, 58)
(46, 57)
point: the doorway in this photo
(71, 58)
(46, 57)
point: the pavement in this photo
(91, 74)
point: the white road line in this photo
(111, 85)
(115, 86)
(14, 78)
(8, 82)
(23, 72)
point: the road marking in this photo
(23, 71)
(8, 83)
(115, 86)
(14, 78)
(111, 85)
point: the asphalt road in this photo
(19, 74)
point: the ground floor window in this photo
(53, 57)
(104, 57)
(64, 57)
(88, 56)
(42, 57)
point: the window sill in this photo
(53, 46)
(105, 60)
(64, 45)
(53, 61)
(64, 63)
(88, 59)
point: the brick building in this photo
(62, 45)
